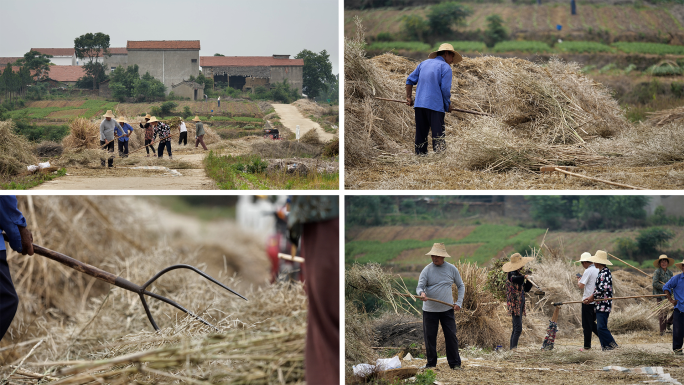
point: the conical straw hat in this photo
(439, 250)
(108, 114)
(656, 263)
(601, 257)
(517, 261)
(196, 118)
(446, 47)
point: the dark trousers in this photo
(110, 148)
(677, 330)
(160, 149)
(183, 137)
(664, 319)
(604, 335)
(123, 149)
(588, 324)
(200, 140)
(8, 296)
(431, 321)
(517, 330)
(151, 146)
(426, 119)
(320, 248)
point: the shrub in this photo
(653, 239)
(167, 107)
(156, 111)
(186, 112)
(384, 36)
(414, 27)
(444, 15)
(626, 247)
(495, 31)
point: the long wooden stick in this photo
(160, 139)
(598, 180)
(289, 257)
(609, 299)
(429, 299)
(633, 267)
(452, 109)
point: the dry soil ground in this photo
(290, 117)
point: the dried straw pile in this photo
(665, 117)
(83, 134)
(15, 150)
(79, 320)
(542, 114)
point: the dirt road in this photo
(291, 118)
(131, 178)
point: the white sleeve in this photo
(585, 277)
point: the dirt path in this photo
(291, 118)
(128, 178)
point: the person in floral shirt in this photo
(149, 135)
(163, 131)
(603, 289)
(516, 286)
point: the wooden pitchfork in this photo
(127, 285)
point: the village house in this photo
(248, 72)
(169, 61)
(188, 89)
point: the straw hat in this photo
(656, 263)
(517, 261)
(679, 265)
(601, 257)
(196, 119)
(585, 257)
(439, 250)
(148, 116)
(153, 119)
(120, 119)
(108, 114)
(446, 47)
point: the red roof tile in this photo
(164, 44)
(5, 60)
(66, 73)
(118, 51)
(247, 61)
(55, 51)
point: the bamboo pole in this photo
(452, 109)
(633, 267)
(598, 180)
(288, 257)
(168, 137)
(609, 299)
(429, 299)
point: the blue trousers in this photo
(677, 329)
(604, 335)
(8, 296)
(426, 119)
(160, 150)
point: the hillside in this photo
(623, 22)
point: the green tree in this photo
(10, 81)
(652, 241)
(38, 62)
(218, 54)
(414, 27)
(93, 46)
(551, 211)
(148, 88)
(610, 212)
(445, 15)
(317, 72)
(495, 31)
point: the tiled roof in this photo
(118, 50)
(164, 44)
(5, 60)
(66, 73)
(55, 51)
(247, 61)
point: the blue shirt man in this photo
(13, 224)
(675, 287)
(433, 97)
(124, 132)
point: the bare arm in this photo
(409, 94)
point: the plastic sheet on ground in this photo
(168, 170)
(382, 364)
(655, 372)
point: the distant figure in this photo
(107, 136)
(660, 277)
(205, 97)
(124, 133)
(573, 7)
(219, 101)
(199, 132)
(149, 135)
(183, 137)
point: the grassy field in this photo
(248, 172)
(616, 19)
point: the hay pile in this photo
(542, 114)
(665, 117)
(285, 149)
(48, 149)
(83, 134)
(80, 319)
(15, 150)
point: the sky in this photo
(229, 27)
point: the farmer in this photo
(164, 131)
(183, 134)
(219, 101)
(433, 96)
(435, 282)
(660, 277)
(13, 223)
(675, 287)
(516, 286)
(123, 132)
(149, 135)
(317, 217)
(603, 289)
(107, 136)
(587, 282)
(199, 132)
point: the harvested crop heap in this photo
(542, 114)
(80, 319)
(15, 151)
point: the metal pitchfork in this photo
(128, 285)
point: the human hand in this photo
(456, 307)
(26, 241)
(409, 101)
(672, 301)
(423, 297)
(589, 299)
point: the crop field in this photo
(399, 45)
(521, 46)
(583, 47)
(209, 108)
(43, 109)
(615, 19)
(421, 233)
(649, 48)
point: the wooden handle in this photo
(288, 257)
(556, 311)
(633, 267)
(610, 299)
(452, 109)
(429, 299)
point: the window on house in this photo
(113, 68)
(193, 60)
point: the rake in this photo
(141, 290)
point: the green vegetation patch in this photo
(650, 48)
(397, 45)
(93, 107)
(464, 46)
(26, 182)
(583, 47)
(521, 46)
(493, 238)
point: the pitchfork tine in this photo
(196, 270)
